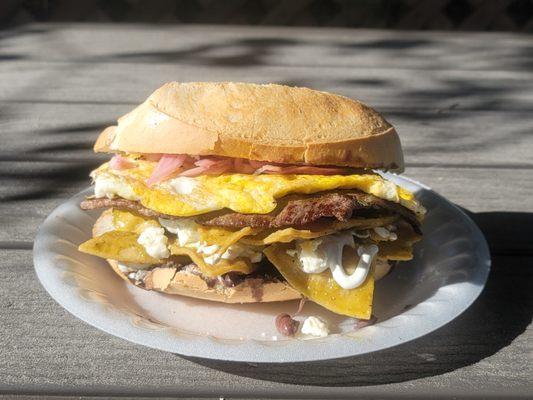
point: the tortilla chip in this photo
(120, 246)
(322, 229)
(322, 288)
(221, 267)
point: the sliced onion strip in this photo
(191, 166)
(118, 163)
(166, 167)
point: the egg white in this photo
(244, 193)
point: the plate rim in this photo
(277, 350)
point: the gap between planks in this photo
(374, 67)
(382, 109)
(91, 160)
(16, 245)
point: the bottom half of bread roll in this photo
(250, 265)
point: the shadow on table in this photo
(500, 314)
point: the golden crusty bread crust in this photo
(249, 291)
(271, 122)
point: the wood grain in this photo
(30, 191)
(45, 81)
(228, 47)
(429, 137)
(461, 102)
(61, 355)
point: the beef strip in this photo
(299, 212)
(294, 212)
(118, 202)
(291, 211)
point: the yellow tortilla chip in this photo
(120, 246)
(402, 248)
(222, 237)
(130, 222)
(395, 251)
(223, 266)
(322, 288)
(289, 234)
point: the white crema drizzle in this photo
(320, 254)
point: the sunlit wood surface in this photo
(462, 102)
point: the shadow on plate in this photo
(501, 313)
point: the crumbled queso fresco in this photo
(188, 236)
(155, 242)
(110, 186)
(314, 326)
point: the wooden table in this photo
(462, 103)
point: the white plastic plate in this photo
(448, 272)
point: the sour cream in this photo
(317, 255)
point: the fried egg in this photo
(244, 193)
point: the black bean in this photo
(286, 325)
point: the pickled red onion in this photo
(243, 166)
(118, 162)
(209, 167)
(257, 164)
(193, 171)
(206, 162)
(167, 165)
(191, 166)
(273, 169)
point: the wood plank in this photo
(118, 397)
(116, 83)
(47, 351)
(62, 131)
(228, 47)
(30, 191)
(461, 103)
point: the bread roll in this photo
(271, 122)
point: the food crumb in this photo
(286, 325)
(314, 326)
